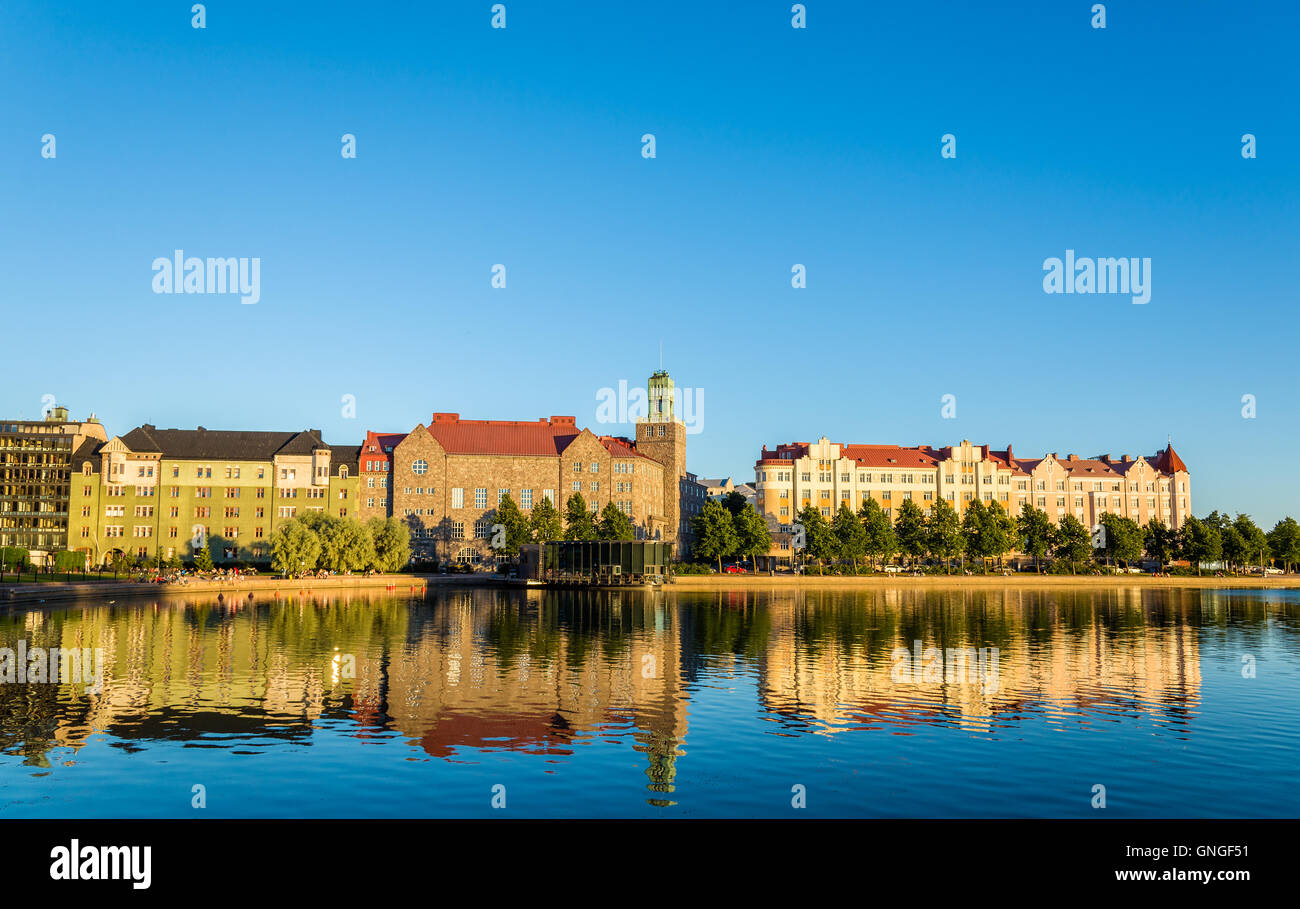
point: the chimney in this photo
(1127, 459)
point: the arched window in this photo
(343, 472)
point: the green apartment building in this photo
(166, 491)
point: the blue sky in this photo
(775, 146)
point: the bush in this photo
(14, 558)
(691, 568)
(66, 562)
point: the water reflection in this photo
(461, 674)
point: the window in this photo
(232, 492)
(526, 498)
(457, 497)
(501, 495)
(480, 497)
(549, 495)
(457, 530)
(420, 467)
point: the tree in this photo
(1071, 542)
(345, 545)
(614, 524)
(545, 522)
(734, 502)
(294, 547)
(1253, 540)
(1201, 541)
(910, 530)
(943, 532)
(577, 519)
(1124, 537)
(202, 559)
(1160, 541)
(881, 540)
(819, 539)
(999, 532)
(1034, 533)
(753, 538)
(515, 526)
(391, 539)
(850, 535)
(1284, 542)
(715, 533)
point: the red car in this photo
(735, 569)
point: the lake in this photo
(885, 702)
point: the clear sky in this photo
(774, 146)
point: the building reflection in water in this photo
(544, 673)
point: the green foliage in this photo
(881, 541)
(1124, 538)
(910, 530)
(1201, 541)
(294, 547)
(517, 530)
(944, 531)
(577, 519)
(15, 558)
(66, 561)
(850, 534)
(345, 545)
(202, 559)
(1159, 541)
(1254, 542)
(1071, 542)
(545, 525)
(753, 538)
(1033, 532)
(735, 503)
(715, 533)
(1284, 542)
(819, 538)
(613, 524)
(391, 539)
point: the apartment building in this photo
(825, 474)
(169, 491)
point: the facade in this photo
(35, 480)
(824, 474)
(661, 436)
(446, 479)
(166, 491)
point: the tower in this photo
(662, 436)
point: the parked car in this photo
(892, 569)
(1272, 570)
(735, 569)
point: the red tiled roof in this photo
(890, 455)
(541, 438)
(621, 447)
(1167, 461)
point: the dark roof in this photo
(88, 451)
(345, 454)
(236, 445)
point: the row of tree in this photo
(987, 533)
(512, 528)
(320, 541)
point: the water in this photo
(676, 704)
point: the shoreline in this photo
(759, 581)
(26, 595)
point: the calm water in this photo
(668, 704)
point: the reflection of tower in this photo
(662, 436)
